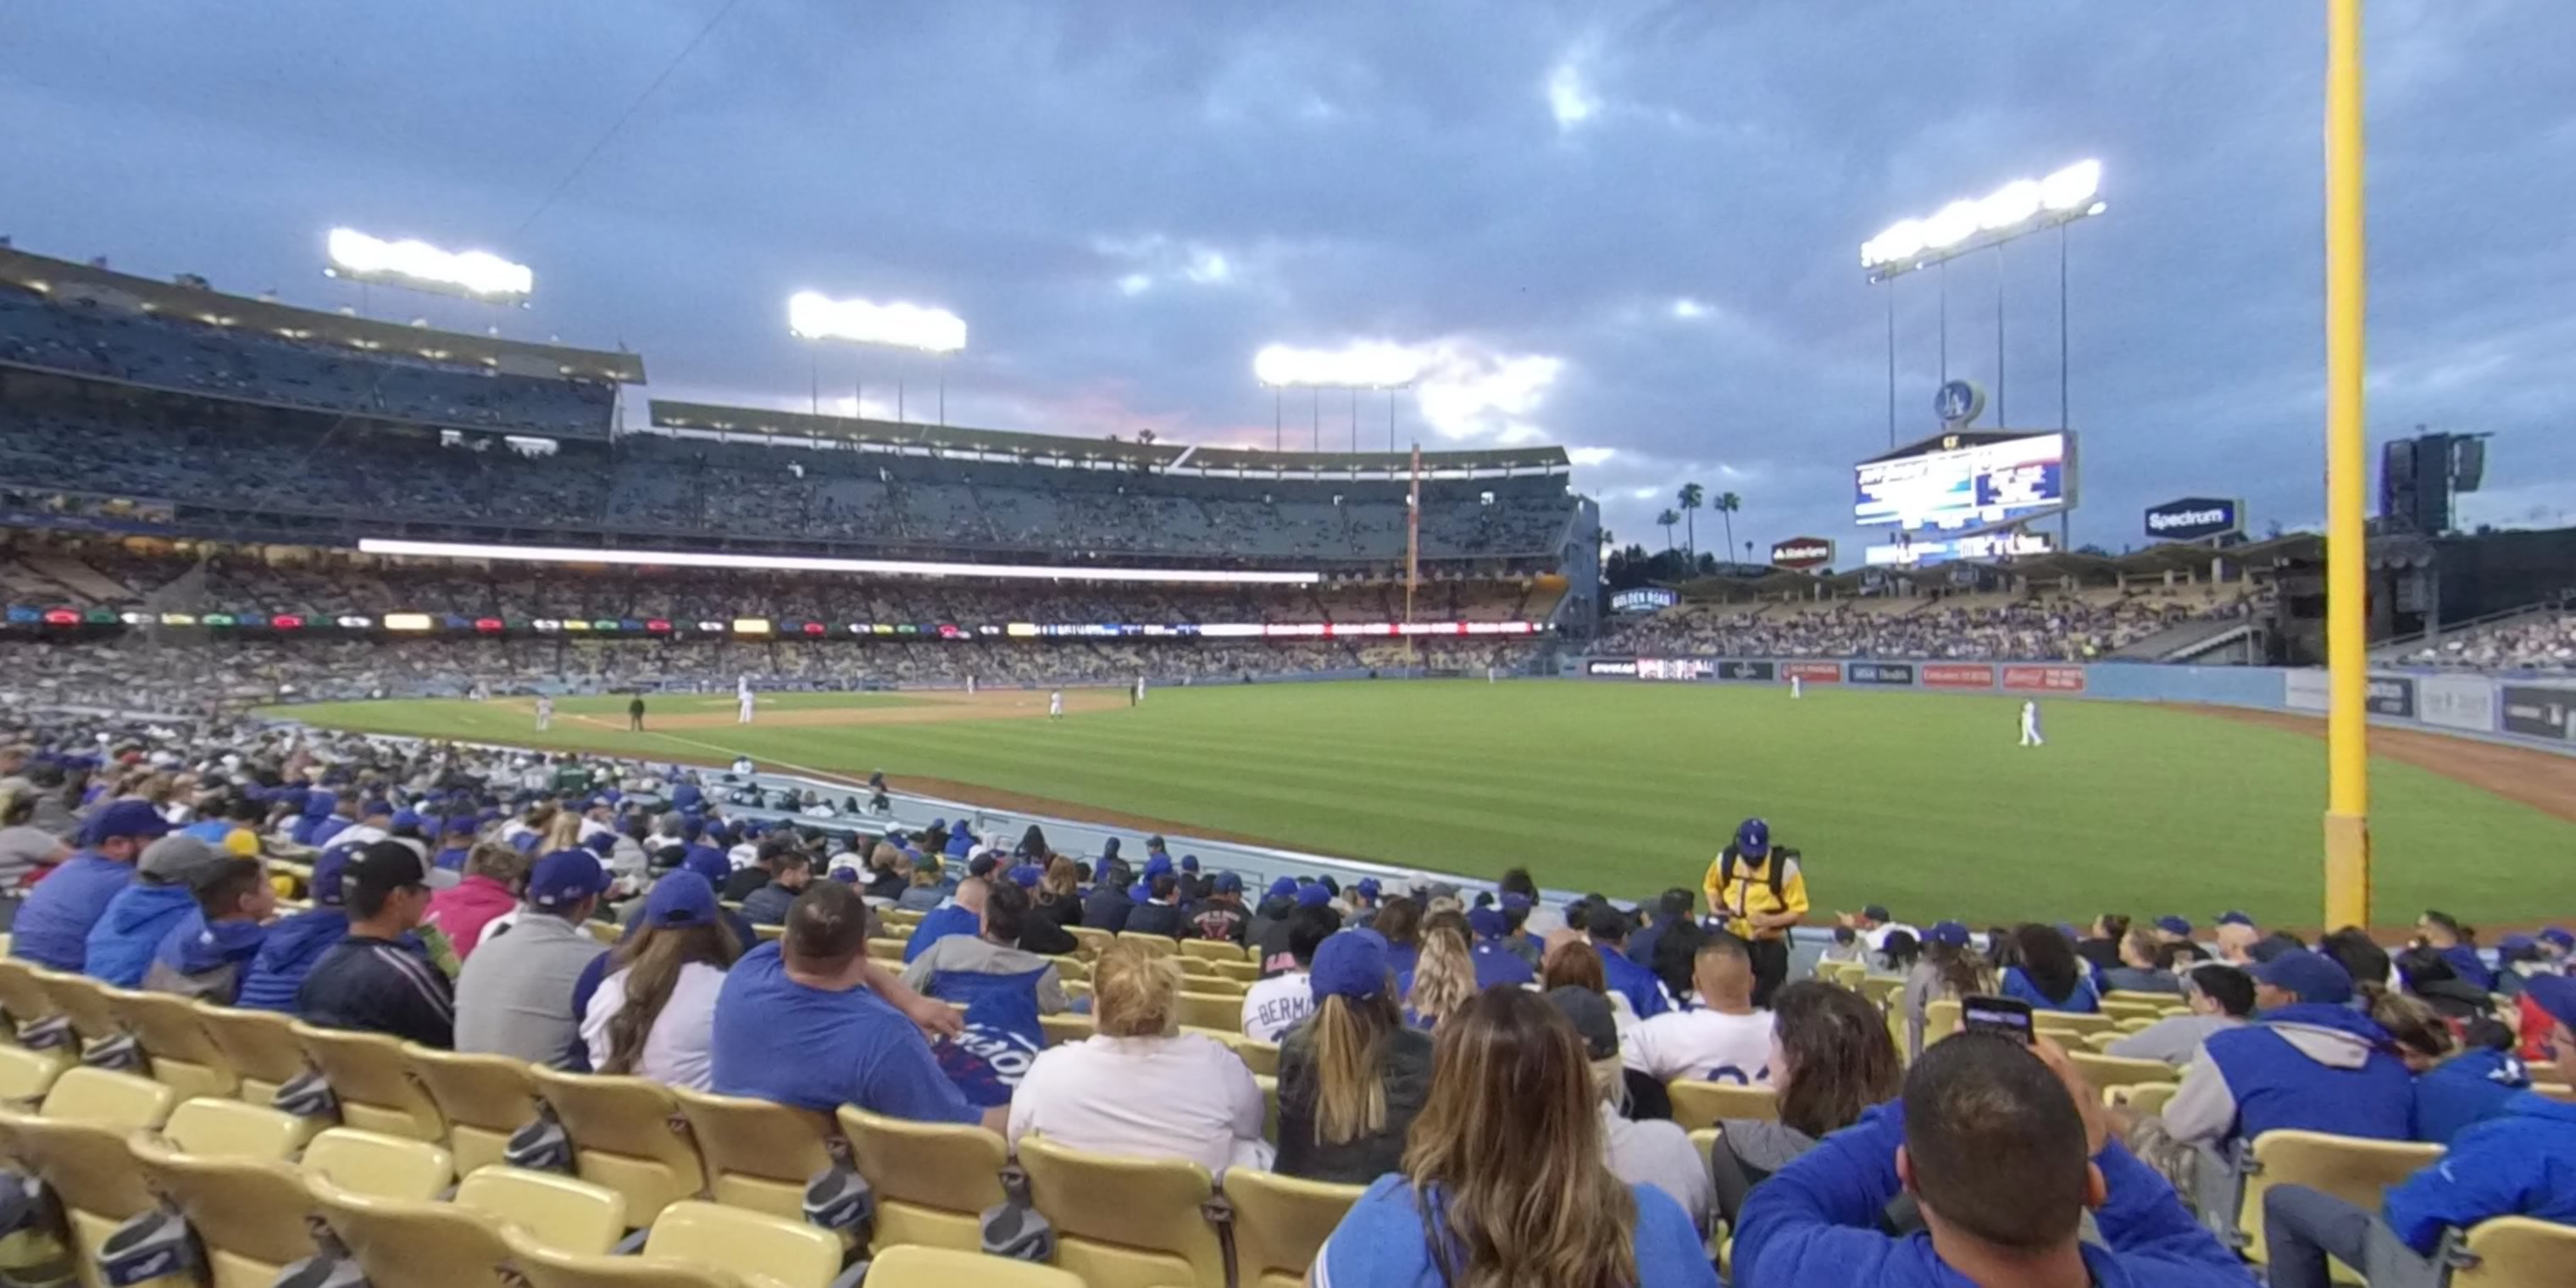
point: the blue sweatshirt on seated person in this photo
(2308, 1066)
(1814, 1224)
(1381, 1243)
(136, 921)
(2020, 986)
(2520, 1163)
(2464, 1090)
(292, 947)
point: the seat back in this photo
(1215, 950)
(2120, 1009)
(758, 1154)
(917, 1266)
(563, 1213)
(402, 1243)
(2114, 1071)
(2356, 1171)
(1211, 1011)
(2146, 1097)
(1243, 972)
(933, 1181)
(1090, 940)
(627, 1134)
(1154, 945)
(25, 1075)
(247, 1211)
(484, 1098)
(1705, 1104)
(1125, 1222)
(175, 1038)
(1065, 1027)
(1940, 1020)
(2515, 1252)
(368, 1162)
(371, 1078)
(756, 1245)
(1280, 1223)
(2080, 1022)
(82, 998)
(545, 1267)
(222, 1128)
(1260, 1057)
(120, 1102)
(259, 1045)
(20, 996)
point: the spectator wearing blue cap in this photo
(1761, 892)
(515, 995)
(1220, 916)
(1160, 913)
(1260, 929)
(456, 844)
(1950, 969)
(52, 929)
(2309, 1062)
(1354, 1076)
(961, 915)
(296, 944)
(378, 978)
(1361, 901)
(2171, 929)
(161, 896)
(964, 969)
(1497, 966)
(1607, 927)
(2516, 1164)
(653, 1015)
(2221, 997)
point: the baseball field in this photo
(1922, 802)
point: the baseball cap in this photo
(135, 819)
(601, 843)
(2555, 994)
(2311, 977)
(1515, 901)
(1952, 933)
(378, 865)
(1590, 1013)
(982, 865)
(376, 809)
(1753, 838)
(1026, 876)
(2559, 935)
(177, 859)
(565, 878)
(2231, 917)
(406, 818)
(1313, 896)
(1486, 922)
(1284, 887)
(1228, 883)
(682, 898)
(1368, 887)
(1876, 912)
(2173, 925)
(710, 866)
(1189, 863)
(2518, 948)
(1349, 963)
(459, 825)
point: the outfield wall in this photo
(2523, 711)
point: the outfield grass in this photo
(1918, 801)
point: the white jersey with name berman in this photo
(1277, 1004)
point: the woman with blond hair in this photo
(1140, 1087)
(1504, 1181)
(1354, 1075)
(1443, 977)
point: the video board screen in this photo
(1965, 486)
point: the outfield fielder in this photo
(2030, 725)
(545, 712)
(1055, 705)
(1797, 688)
(742, 700)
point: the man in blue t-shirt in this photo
(1608, 928)
(53, 925)
(809, 1021)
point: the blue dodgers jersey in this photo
(1002, 1038)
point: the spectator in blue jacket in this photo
(2309, 1062)
(2047, 973)
(161, 896)
(963, 915)
(2520, 1163)
(2458, 945)
(53, 925)
(296, 943)
(1497, 966)
(2470, 1087)
(205, 954)
(1608, 928)
(1674, 908)
(2002, 1147)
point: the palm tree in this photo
(1666, 520)
(1692, 496)
(1727, 504)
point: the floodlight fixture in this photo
(1367, 365)
(418, 265)
(2017, 209)
(814, 316)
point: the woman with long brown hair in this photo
(654, 1015)
(1504, 1181)
(1831, 1059)
(1353, 1075)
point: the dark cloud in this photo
(1127, 199)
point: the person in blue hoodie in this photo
(2309, 1062)
(205, 954)
(2458, 945)
(2520, 1163)
(162, 895)
(2049, 976)
(318, 807)
(296, 943)
(2003, 1147)
(1608, 928)
(2471, 1086)
(456, 843)
(53, 925)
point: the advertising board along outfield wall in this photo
(2521, 710)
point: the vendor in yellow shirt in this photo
(1757, 889)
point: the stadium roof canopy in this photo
(190, 298)
(1066, 450)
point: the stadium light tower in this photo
(2015, 210)
(1368, 365)
(812, 315)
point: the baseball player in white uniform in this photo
(1055, 705)
(1797, 687)
(2030, 725)
(545, 712)
(742, 700)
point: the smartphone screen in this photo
(2005, 1016)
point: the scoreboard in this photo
(1959, 483)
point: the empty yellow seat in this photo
(1154, 945)
(2356, 1171)
(228, 1128)
(758, 1154)
(174, 1038)
(20, 996)
(1125, 1222)
(2114, 1071)
(484, 1098)
(1261, 1057)
(371, 1078)
(1706, 1104)
(1211, 1011)
(77, 1146)
(1067, 1027)
(368, 1162)
(1242, 972)
(25, 1075)
(2144, 1097)
(1213, 950)
(83, 999)
(1280, 1223)
(761, 1247)
(401, 1243)
(259, 1045)
(2515, 1252)
(915, 1266)
(627, 1134)
(933, 1181)
(2079, 1022)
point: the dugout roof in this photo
(65, 280)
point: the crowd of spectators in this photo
(222, 362)
(1993, 628)
(1468, 1056)
(2540, 642)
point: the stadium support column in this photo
(2347, 831)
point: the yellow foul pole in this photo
(2347, 474)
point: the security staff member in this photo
(1760, 893)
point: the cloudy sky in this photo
(1628, 228)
